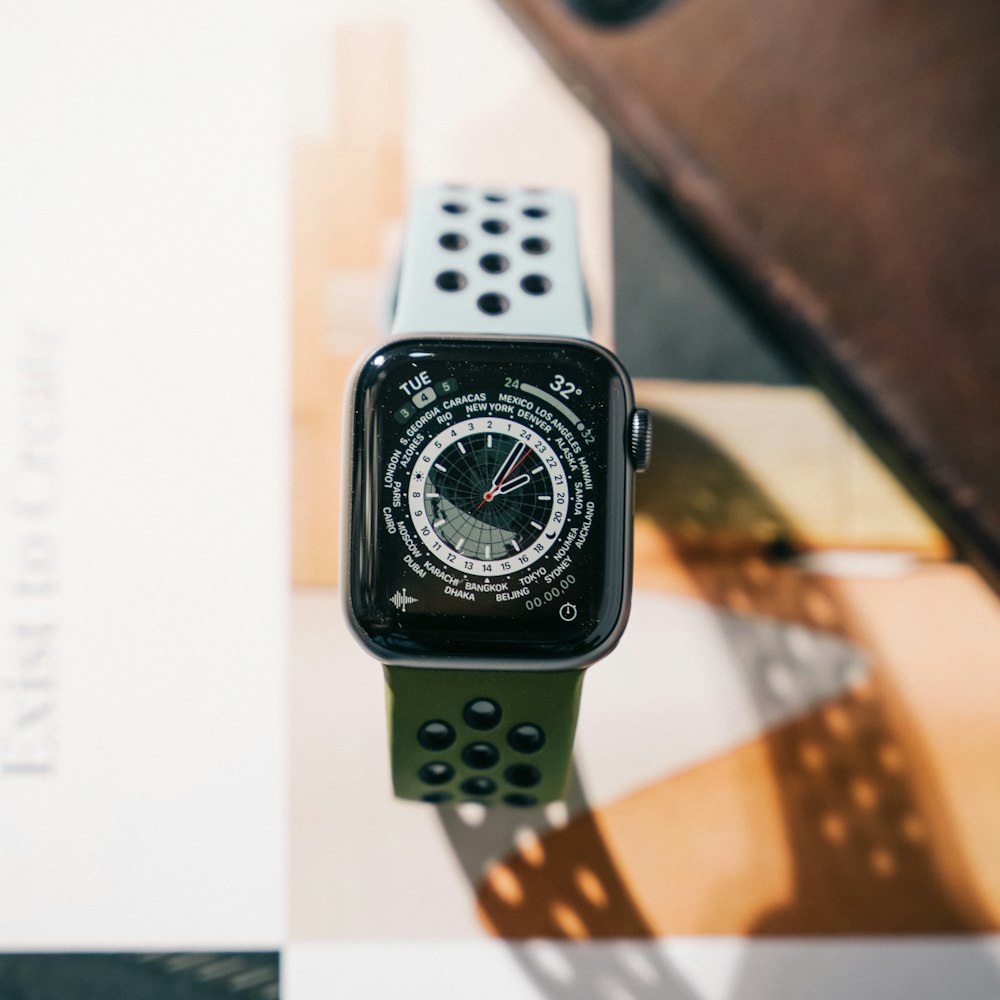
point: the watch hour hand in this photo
(499, 485)
(516, 455)
(512, 484)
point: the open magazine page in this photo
(768, 797)
(143, 465)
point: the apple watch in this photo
(492, 449)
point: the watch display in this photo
(490, 487)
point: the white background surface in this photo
(143, 234)
(665, 969)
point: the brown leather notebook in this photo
(841, 163)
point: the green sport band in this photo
(482, 735)
(486, 260)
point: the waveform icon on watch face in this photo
(488, 495)
(401, 599)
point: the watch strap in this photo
(491, 260)
(487, 736)
(486, 261)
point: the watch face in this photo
(490, 500)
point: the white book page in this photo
(143, 411)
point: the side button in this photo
(640, 440)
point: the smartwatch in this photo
(492, 451)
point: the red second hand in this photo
(487, 496)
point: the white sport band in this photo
(484, 260)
